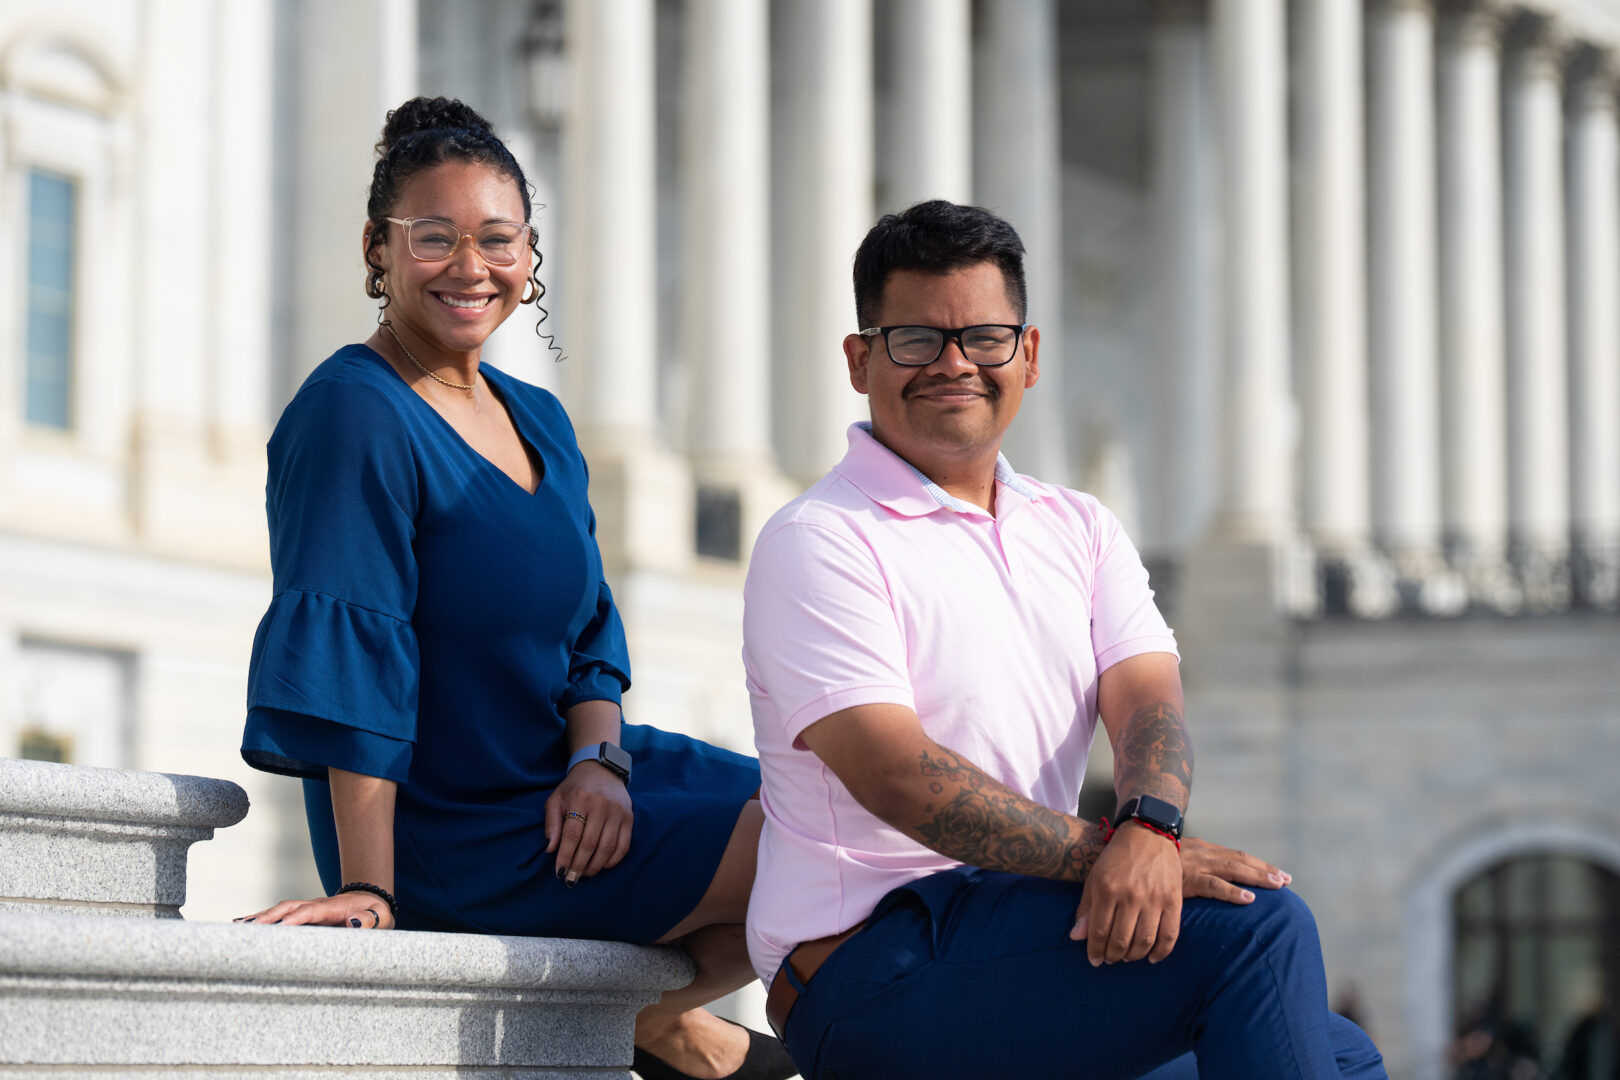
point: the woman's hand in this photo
(1220, 873)
(360, 910)
(588, 822)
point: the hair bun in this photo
(427, 114)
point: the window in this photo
(52, 224)
(73, 704)
(1537, 973)
(719, 523)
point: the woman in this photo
(442, 661)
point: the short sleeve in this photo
(1125, 621)
(334, 672)
(820, 633)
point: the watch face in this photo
(616, 758)
(1159, 813)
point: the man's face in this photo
(952, 408)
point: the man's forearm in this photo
(972, 817)
(1154, 755)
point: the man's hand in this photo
(1131, 907)
(1219, 873)
(1123, 913)
(588, 821)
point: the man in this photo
(930, 639)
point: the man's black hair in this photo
(936, 237)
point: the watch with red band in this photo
(1154, 812)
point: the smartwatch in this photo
(612, 758)
(1151, 810)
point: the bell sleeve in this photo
(334, 673)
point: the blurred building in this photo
(1330, 302)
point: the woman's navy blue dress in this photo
(431, 622)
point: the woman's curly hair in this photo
(425, 132)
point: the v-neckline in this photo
(536, 460)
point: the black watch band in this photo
(1151, 810)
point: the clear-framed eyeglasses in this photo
(987, 345)
(499, 243)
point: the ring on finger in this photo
(576, 814)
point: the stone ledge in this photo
(126, 997)
(47, 789)
(104, 841)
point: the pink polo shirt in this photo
(875, 586)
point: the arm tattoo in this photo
(984, 823)
(1155, 756)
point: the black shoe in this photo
(767, 1060)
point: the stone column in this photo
(1255, 485)
(1186, 220)
(357, 60)
(1594, 328)
(822, 153)
(726, 307)
(1332, 275)
(1403, 288)
(1537, 383)
(1473, 378)
(641, 493)
(241, 115)
(928, 151)
(1018, 174)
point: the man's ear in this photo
(1032, 350)
(858, 353)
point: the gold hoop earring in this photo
(531, 294)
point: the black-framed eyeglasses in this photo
(428, 239)
(987, 345)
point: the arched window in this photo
(1537, 971)
(61, 209)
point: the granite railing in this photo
(86, 996)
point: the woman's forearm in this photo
(363, 809)
(592, 722)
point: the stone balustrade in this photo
(104, 841)
(84, 996)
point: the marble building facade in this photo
(1330, 301)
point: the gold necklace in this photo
(386, 325)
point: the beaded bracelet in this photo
(375, 890)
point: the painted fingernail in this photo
(354, 922)
(1247, 895)
(560, 873)
(573, 879)
(1279, 878)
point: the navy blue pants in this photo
(970, 973)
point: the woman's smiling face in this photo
(452, 305)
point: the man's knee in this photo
(1277, 918)
(1283, 916)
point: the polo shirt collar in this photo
(893, 482)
